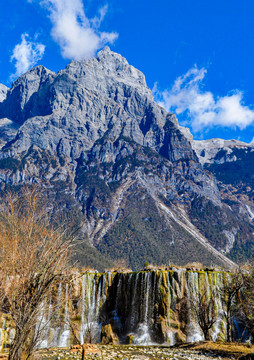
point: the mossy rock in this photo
(108, 336)
(129, 339)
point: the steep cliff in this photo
(117, 163)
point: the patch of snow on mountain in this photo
(207, 150)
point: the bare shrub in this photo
(33, 259)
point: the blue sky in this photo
(196, 55)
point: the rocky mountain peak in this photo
(120, 65)
(108, 74)
(37, 74)
(95, 96)
(30, 82)
(94, 137)
(22, 100)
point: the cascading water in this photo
(193, 332)
(90, 306)
(142, 307)
(64, 339)
(41, 329)
(142, 333)
(56, 330)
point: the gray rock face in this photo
(8, 131)
(23, 101)
(94, 137)
(208, 150)
(3, 92)
(89, 98)
(232, 164)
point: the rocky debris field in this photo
(132, 352)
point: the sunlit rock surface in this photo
(107, 155)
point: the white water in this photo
(90, 305)
(142, 334)
(64, 339)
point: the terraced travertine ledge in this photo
(139, 308)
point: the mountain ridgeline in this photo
(112, 160)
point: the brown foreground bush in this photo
(33, 259)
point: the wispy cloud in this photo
(25, 55)
(202, 108)
(78, 36)
(97, 20)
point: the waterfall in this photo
(64, 339)
(134, 301)
(83, 308)
(42, 328)
(56, 326)
(193, 332)
(91, 299)
(146, 295)
(142, 307)
(220, 324)
(142, 333)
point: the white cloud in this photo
(97, 20)
(26, 54)
(77, 36)
(202, 108)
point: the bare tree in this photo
(229, 292)
(33, 259)
(204, 309)
(246, 300)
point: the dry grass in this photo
(155, 267)
(237, 350)
(119, 269)
(194, 265)
(85, 269)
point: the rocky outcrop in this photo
(108, 336)
(23, 101)
(219, 151)
(3, 92)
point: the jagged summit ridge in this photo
(106, 71)
(93, 96)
